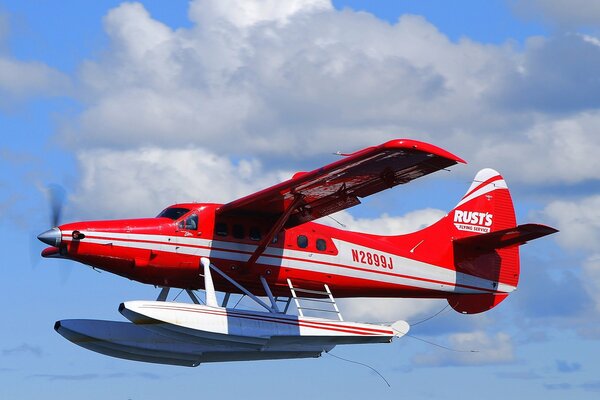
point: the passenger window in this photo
(221, 229)
(321, 245)
(302, 241)
(191, 222)
(238, 231)
(254, 233)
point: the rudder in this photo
(486, 208)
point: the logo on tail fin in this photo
(473, 221)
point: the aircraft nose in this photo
(51, 237)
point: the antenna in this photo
(342, 225)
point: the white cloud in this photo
(578, 222)
(249, 13)
(141, 182)
(565, 14)
(20, 81)
(138, 35)
(389, 310)
(295, 80)
(292, 88)
(386, 224)
(553, 75)
(558, 151)
(475, 348)
(23, 80)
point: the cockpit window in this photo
(173, 212)
(191, 222)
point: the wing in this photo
(339, 185)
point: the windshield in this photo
(173, 212)
(190, 223)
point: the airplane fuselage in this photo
(166, 252)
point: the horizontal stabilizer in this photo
(518, 235)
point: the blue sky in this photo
(135, 106)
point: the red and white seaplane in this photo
(267, 247)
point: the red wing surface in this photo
(339, 185)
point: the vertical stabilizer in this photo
(479, 239)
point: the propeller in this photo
(56, 197)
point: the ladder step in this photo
(317, 300)
(324, 294)
(319, 309)
(324, 298)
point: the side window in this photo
(321, 245)
(221, 229)
(254, 233)
(302, 241)
(238, 231)
(191, 222)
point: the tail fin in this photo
(486, 207)
(480, 239)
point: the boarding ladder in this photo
(323, 304)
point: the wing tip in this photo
(422, 146)
(541, 229)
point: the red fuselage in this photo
(166, 251)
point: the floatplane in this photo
(268, 247)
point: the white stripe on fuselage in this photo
(490, 187)
(405, 271)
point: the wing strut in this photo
(209, 287)
(269, 294)
(274, 231)
(164, 292)
(206, 263)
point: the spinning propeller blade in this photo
(56, 196)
